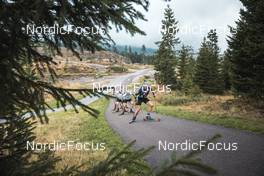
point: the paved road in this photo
(248, 160)
(123, 79)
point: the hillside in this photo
(91, 64)
(102, 57)
(149, 51)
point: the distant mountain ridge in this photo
(149, 51)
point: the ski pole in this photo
(155, 104)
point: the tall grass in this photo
(181, 99)
(217, 110)
(81, 127)
(118, 69)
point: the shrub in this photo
(180, 99)
(118, 69)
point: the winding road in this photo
(123, 79)
(247, 160)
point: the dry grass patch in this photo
(81, 127)
(222, 110)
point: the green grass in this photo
(53, 103)
(97, 129)
(80, 127)
(118, 69)
(182, 100)
(252, 124)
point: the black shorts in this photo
(118, 100)
(142, 100)
(128, 100)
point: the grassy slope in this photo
(81, 127)
(253, 124)
(214, 117)
(53, 103)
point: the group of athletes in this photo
(124, 103)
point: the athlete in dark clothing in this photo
(142, 97)
(127, 103)
(117, 103)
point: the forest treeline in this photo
(141, 57)
(23, 90)
(240, 69)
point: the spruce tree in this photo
(143, 53)
(114, 49)
(207, 75)
(22, 92)
(246, 46)
(22, 65)
(183, 62)
(124, 53)
(165, 59)
(215, 63)
(202, 66)
(129, 50)
(186, 66)
(226, 70)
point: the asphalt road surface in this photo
(247, 160)
(123, 79)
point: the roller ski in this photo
(129, 111)
(149, 118)
(132, 121)
(141, 96)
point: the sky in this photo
(195, 17)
